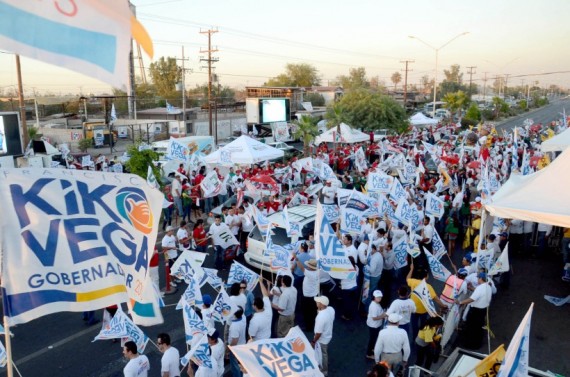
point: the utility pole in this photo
(132, 102)
(23, 123)
(471, 78)
(183, 90)
(505, 87)
(485, 86)
(406, 79)
(210, 60)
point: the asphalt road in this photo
(543, 115)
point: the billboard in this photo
(267, 110)
(10, 139)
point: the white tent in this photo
(420, 119)
(243, 150)
(557, 143)
(347, 135)
(540, 197)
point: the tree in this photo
(316, 99)
(33, 132)
(523, 105)
(427, 84)
(356, 79)
(370, 111)
(501, 107)
(306, 129)
(84, 144)
(473, 113)
(453, 81)
(303, 75)
(335, 116)
(396, 79)
(455, 101)
(165, 73)
(140, 160)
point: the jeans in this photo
(372, 337)
(178, 204)
(541, 243)
(208, 205)
(218, 257)
(325, 353)
(167, 220)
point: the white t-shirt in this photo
(181, 234)
(170, 241)
(328, 194)
(239, 300)
(237, 330)
(216, 230)
(288, 300)
(376, 265)
(176, 188)
(374, 310)
(170, 361)
(350, 251)
(349, 283)
(482, 296)
(137, 367)
(428, 232)
(403, 307)
(363, 252)
(218, 351)
(233, 219)
(260, 323)
(324, 324)
(311, 283)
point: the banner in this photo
(502, 263)
(193, 324)
(397, 192)
(331, 212)
(212, 277)
(78, 240)
(226, 238)
(150, 178)
(484, 259)
(291, 356)
(515, 363)
(192, 295)
(211, 185)
(379, 182)
(365, 293)
(201, 355)
(401, 253)
(260, 219)
(450, 324)
(121, 326)
(434, 206)
(239, 272)
(280, 131)
(421, 291)
(314, 189)
(177, 151)
(223, 307)
(437, 245)
(330, 254)
(147, 313)
(304, 164)
(438, 270)
(488, 366)
(3, 356)
(558, 301)
(187, 263)
(408, 213)
(360, 160)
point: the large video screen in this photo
(10, 140)
(275, 110)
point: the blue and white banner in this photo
(239, 272)
(192, 295)
(437, 245)
(401, 253)
(291, 356)
(434, 206)
(330, 253)
(187, 263)
(379, 182)
(502, 263)
(438, 270)
(151, 179)
(397, 191)
(360, 160)
(293, 229)
(485, 259)
(200, 355)
(213, 278)
(3, 356)
(211, 185)
(223, 307)
(515, 363)
(121, 326)
(408, 213)
(260, 219)
(421, 291)
(78, 240)
(193, 324)
(557, 301)
(331, 212)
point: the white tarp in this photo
(539, 197)
(420, 119)
(245, 150)
(347, 135)
(557, 143)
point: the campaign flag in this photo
(211, 185)
(421, 291)
(484, 259)
(212, 278)
(434, 206)
(438, 247)
(260, 219)
(171, 109)
(352, 212)
(397, 191)
(225, 238)
(331, 212)
(327, 173)
(113, 114)
(360, 160)
(304, 163)
(438, 270)
(92, 37)
(401, 253)
(285, 215)
(147, 312)
(515, 363)
(187, 263)
(487, 366)
(3, 356)
(558, 301)
(201, 355)
(177, 151)
(78, 242)
(151, 179)
(193, 324)
(330, 253)
(289, 356)
(408, 213)
(365, 285)
(223, 307)
(379, 182)
(502, 263)
(431, 149)
(450, 324)
(314, 189)
(192, 295)
(121, 326)
(298, 199)
(239, 272)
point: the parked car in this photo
(281, 145)
(231, 201)
(302, 214)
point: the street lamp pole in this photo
(436, 49)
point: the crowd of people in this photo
(462, 168)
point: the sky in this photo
(256, 39)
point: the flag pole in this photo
(10, 363)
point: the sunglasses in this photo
(242, 287)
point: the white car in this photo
(281, 145)
(302, 214)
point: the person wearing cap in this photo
(392, 344)
(468, 264)
(454, 287)
(323, 329)
(329, 192)
(218, 350)
(480, 299)
(374, 322)
(207, 312)
(169, 248)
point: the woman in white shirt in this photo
(349, 293)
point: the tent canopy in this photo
(420, 119)
(347, 135)
(557, 143)
(540, 197)
(244, 150)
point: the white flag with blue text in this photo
(193, 324)
(239, 272)
(515, 363)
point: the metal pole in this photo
(435, 80)
(23, 124)
(85, 108)
(37, 115)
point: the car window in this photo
(308, 229)
(279, 236)
(256, 234)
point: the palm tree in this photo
(307, 130)
(455, 102)
(396, 79)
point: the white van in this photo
(302, 214)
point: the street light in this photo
(436, 59)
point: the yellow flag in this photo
(543, 162)
(489, 366)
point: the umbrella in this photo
(453, 160)
(474, 164)
(265, 179)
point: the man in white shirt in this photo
(216, 230)
(374, 322)
(260, 323)
(479, 301)
(236, 336)
(286, 307)
(138, 365)
(392, 344)
(427, 235)
(329, 193)
(182, 235)
(544, 231)
(323, 330)
(169, 248)
(350, 250)
(176, 192)
(403, 306)
(233, 221)
(170, 358)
